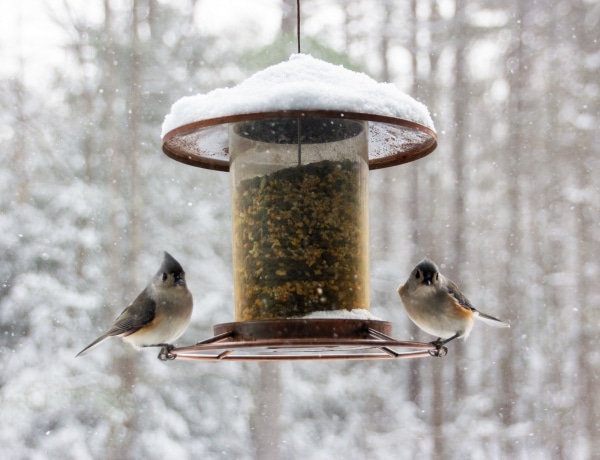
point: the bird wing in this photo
(453, 290)
(464, 302)
(140, 313)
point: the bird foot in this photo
(165, 353)
(440, 350)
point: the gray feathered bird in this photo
(158, 316)
(436, 305)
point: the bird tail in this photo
(93, 345)
(492, 321)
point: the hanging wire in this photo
(298, 23)
(298, 119)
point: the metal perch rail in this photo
(305, 340)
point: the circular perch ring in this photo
(303, 339)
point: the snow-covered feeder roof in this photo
(195, 132)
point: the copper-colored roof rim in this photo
(395, 157)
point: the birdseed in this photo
(301, 242)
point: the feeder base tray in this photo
(302, 339)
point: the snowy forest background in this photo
(508, 205)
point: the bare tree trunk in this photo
(265, 420)
(425, 195)
(120, 281)
(134, 142)
(458, 253)
(437, 411)
(512, 269)
(586, 217)
(587, 212)
(289, 18)
(19, 154)
(415, 366)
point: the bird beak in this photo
(179, 281)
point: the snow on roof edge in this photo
(300, 83)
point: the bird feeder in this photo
(298, 140)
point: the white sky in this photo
(26, 28)
(220, 16)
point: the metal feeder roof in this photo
(400, 128)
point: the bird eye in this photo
(418, 274)
(165, 276)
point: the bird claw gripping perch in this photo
(440, 350)
(165, 353)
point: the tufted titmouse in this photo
(158, 316)
(436, 305)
